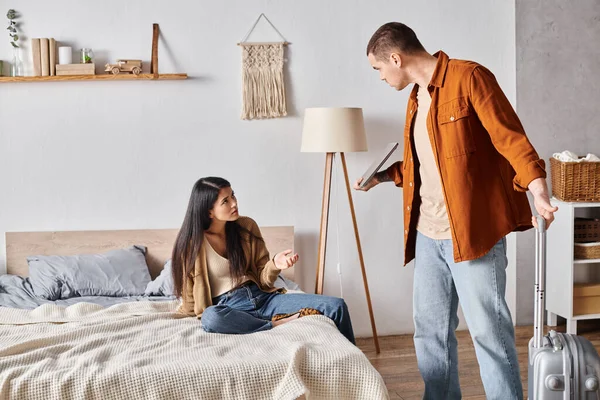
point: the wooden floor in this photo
(397, 362)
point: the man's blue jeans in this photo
(480, 284)
(248, 309)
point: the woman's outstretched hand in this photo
(285, 259)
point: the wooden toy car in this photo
(132, 66)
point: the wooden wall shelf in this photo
(107, 77)
(152, 76)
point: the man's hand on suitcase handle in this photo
(541, 201)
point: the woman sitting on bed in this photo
(223, 272)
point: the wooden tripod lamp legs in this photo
(324, 222)
(323, 237)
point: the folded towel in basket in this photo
(569, 156)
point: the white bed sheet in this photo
(144, 350)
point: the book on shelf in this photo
(45, 56)
(36, 57)
(52, 56)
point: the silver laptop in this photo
(378, 163)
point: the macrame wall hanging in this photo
(263, 91)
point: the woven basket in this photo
(575, 181)
(587, 230)
(587, 251)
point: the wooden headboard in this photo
(20, 245)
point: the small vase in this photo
(87, 56)
(16, 66)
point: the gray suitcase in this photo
(561, 366)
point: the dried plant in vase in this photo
(16, 68)
(12, 28)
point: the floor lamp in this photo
(330, 131)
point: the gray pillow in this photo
(163, 284)
(283, 282)
(121, 272)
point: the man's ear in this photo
(396, 60)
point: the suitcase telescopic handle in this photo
(540, 282)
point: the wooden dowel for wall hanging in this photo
(259, 43)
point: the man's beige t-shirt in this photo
(433, 217)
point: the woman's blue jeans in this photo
(248, 309)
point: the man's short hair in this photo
(393, 36)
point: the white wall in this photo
(124, 155)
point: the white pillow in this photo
(163, 284)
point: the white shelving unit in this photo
(562, 270)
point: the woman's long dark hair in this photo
(191, 235)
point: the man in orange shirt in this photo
(467, 164)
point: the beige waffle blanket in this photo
(144, 350)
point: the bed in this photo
(144, 350)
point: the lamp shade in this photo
(332, 130)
